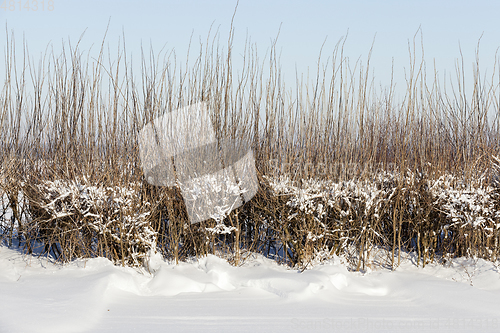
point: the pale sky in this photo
(304, 27)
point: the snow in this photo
(210, 295)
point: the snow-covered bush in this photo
(76, 219)
(294, 222)
(400, 212)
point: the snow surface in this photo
(210, 295)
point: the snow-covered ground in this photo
(210, 295)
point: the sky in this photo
(302, 28)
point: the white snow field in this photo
(210, 295)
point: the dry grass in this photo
(343, 167)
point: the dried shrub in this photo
(74, 219)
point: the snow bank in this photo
(211, 295)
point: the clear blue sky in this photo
(304, 27)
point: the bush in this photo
(76, 220)
(343, 168)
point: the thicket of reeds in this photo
(344, 167)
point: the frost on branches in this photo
(410, 211)
(76, 219)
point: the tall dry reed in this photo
(72, 183)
